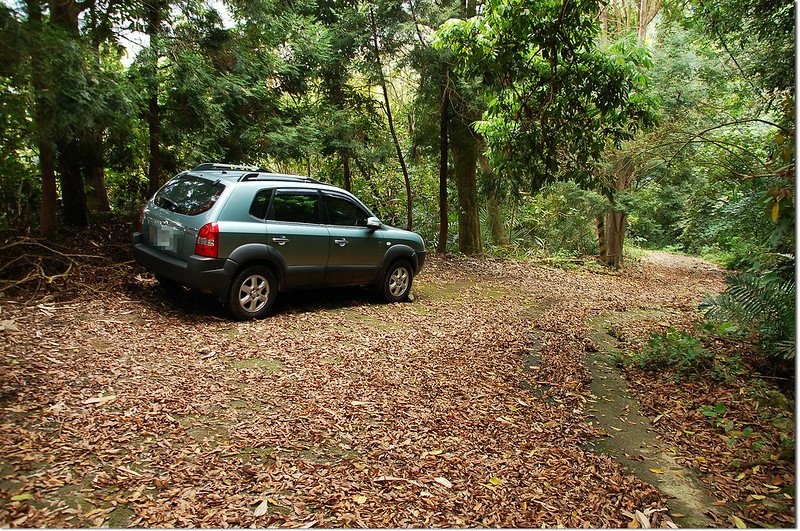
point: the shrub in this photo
(762, 303)
(684, 354)
(675, 350)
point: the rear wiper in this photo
(168, 204)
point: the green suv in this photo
(243, 234)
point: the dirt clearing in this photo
(469, 407)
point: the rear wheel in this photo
(252, 293)
(397, 283)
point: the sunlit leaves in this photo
(555, 99)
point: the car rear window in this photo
(189, 195)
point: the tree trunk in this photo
(43, 122)
(96, 193)
(465, 159)
(73, 193)
(388, 109)
(348, 181)
(377, 200)
(647, 11)
(615, 225)
(444, 118)
(47, 215)
(65, 14)
(495, 220)
(496, 228)
(154, 16)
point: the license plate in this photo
(164, 237)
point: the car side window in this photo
(260, 204)
(342, 211)
(294, 206)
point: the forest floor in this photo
(471, 406)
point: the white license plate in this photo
(164, 237)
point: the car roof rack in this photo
(217, 166)
(266, 176)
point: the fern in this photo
(763, 303)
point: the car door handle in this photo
(341, 243)
(280, 240)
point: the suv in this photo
(243, 234)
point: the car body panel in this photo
(312, 253)
(355, 255)
(304, 249)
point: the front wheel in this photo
(252, 293)
(397, 282)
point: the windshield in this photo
(189, 195)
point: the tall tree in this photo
(43, 117)
(155, 12)
(376, 50)
(558, 99)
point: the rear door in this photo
(295, 232)
(178, 210)
(356, 251)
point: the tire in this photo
(396, 285)
(252, 293)
(169, 285)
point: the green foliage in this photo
(559, 219)
(685, 356)
(556, 99)
(761, 33)
(763, 304)
(654, 214)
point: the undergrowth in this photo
(685, 356)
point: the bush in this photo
(762, 303)
(560, 220)
(684, 354)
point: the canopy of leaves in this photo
(556, 99)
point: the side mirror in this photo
(373, 223)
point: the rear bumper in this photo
(207, 275)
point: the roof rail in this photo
(266, 176)
(218, 166)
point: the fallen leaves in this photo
(410, 415)
(262, 509)
(100, 400)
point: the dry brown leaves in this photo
(129, 407)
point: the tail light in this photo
(208, 241)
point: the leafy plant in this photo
(686, 356)
(762, 303)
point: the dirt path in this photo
(469, 407)
(678, 262)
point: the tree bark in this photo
(348, 181)
(73, 193)
(388, 109)
(444, 120)
(96, 193)
(465, 158)
(495, 220)
(70, 150)
(647, 11)
(43, 122)
(496, 229)
(616, 224)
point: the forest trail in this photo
(471, 406)
(680, 261)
